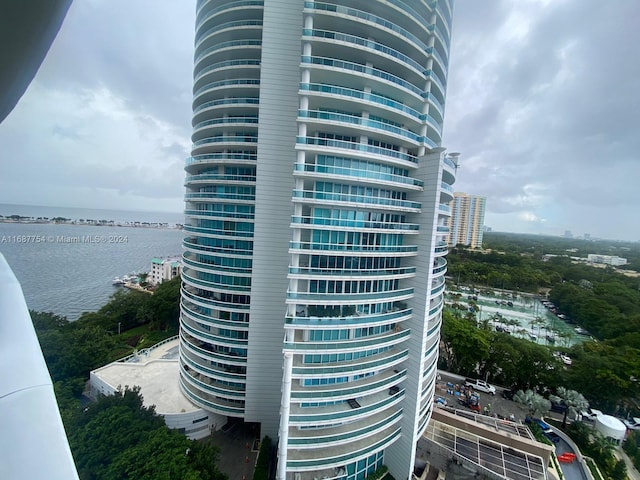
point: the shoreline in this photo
(20, 220)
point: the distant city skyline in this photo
(548, 139)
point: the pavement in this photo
(238, 450)
(632, 472)
(496, 403)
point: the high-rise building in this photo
(467, 220)
(316, 207)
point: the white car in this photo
(566, 359)
(590, 414)
(632, 423)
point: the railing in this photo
(226, 26)
(332, 143)
(350, 198)
(145, 351)
(347, 223)
(229, 44)
(364, 69)
(226, 83)
(249, 62)
(360, 174)
(35, 445)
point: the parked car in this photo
(566, 359)
(558, 407)
(632, 423)
(590, 414)
(479, 385)
(508, 394)
(544, 426)
(553, 436)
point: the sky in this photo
(542, 103)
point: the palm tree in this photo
(536, 403)
(572, 399)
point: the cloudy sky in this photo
(543, 104)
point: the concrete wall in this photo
(279, 79)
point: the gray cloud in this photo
(542, 103)
(544, 93)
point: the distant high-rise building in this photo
(316, 207)
(467, 220)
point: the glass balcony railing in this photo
(244, 82)
(220, 196)
(314, 418)
(210, 355)
(311, 297)
(218, 286)
(227, 121)
(326, 346)
(227, 63)
(358, 318)
(339, 222)
(219, 214)
(366, 43)
(369, 97)
(199, 399)
(341, 247)
(333, 459)
(238, 24)
(343, 390)
(446, 187)
(361, 147)
(216, 232)
(207, 158)
(344, 197)
(449, 162)
(358, 174)
(219, 177)
(352, 435)
(225, 45)
(363, 69)
(213, 302)
(227, 139)
(225, 7)
(352, 12)
(353, 367)
(348, 272)
(364, 122)
(227, 101)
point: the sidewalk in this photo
(632, 472)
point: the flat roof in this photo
(156, 372)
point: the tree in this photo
(465, 346)
(117, 437)
(535, 403)
(573, 400)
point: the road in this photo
(496, 403)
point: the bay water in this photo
(69, 269)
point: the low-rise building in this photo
(164, 269)
(155, 371)
(606, 259)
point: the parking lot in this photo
(496, 404)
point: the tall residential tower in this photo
(316, 209)
(467, 220)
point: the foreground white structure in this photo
(316, 208)
(31, 423)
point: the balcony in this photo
(31, 423)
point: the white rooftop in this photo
(155, 371)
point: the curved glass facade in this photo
(367, 220)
